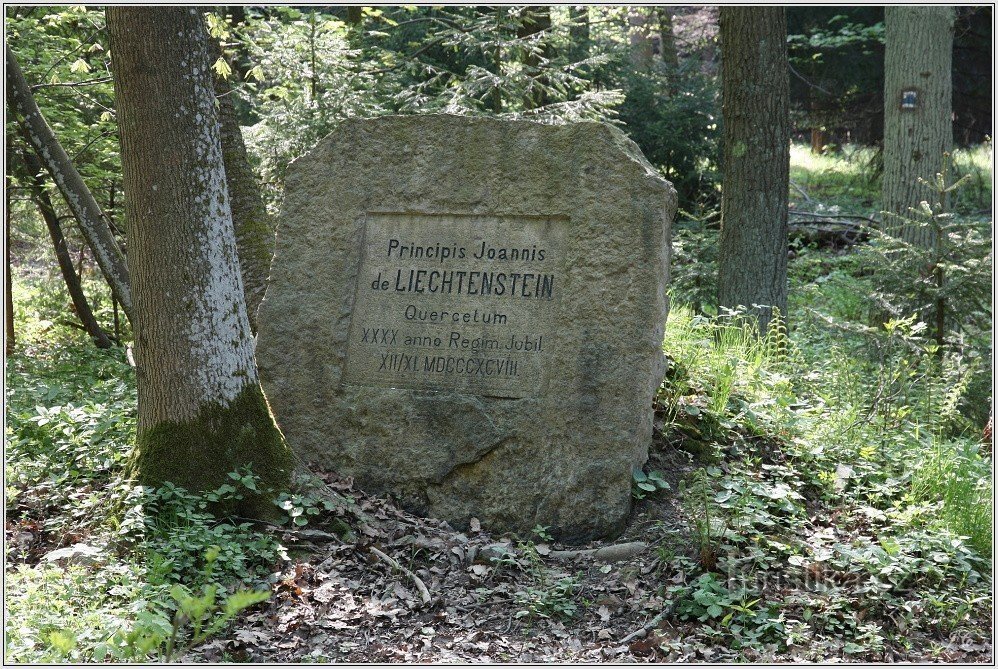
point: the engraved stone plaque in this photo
(456, 302)
(467, 314)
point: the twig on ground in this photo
(424, 594)
(307, 533)
(799, 189)
(649, 626)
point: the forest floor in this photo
(492, 599)
(340, 602)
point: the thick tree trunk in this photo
(80, 304)
(78, 197)
(355, 26)
(201, 412)
(253, 225)
(755, 182)
(918, 103)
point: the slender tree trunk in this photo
(355, 15)
(78, 197)
(819, 138)
(641, 46)
(355, 25)
(10, 342)
(670, 54)
(80, 304)
(578, 31)
(918, 103)
(202, 412)
(534, 20)
(253, 225)
(755, 182)
(496, 95)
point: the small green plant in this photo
(955, 475)
(707, 524)
(178, 527)
(551, 593)
(542, 533)
(935, 263)
(303, 507)
(738, 611)
(549, 599)
(643, 483)
(155, 634)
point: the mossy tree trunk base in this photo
(199, 454)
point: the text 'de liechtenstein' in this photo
(456, 302)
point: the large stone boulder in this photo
(468, 314)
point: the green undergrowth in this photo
(97, 567)
(842, 508)
(848, 177)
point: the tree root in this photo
(613, 553)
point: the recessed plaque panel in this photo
(456, 302)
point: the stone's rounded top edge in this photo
(400, 120)
(386, 118)
(573, 132)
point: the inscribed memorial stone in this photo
(468, 314)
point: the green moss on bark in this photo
(199, 454)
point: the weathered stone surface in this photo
(548, 431)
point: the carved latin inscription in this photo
(454, 302)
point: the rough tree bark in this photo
(80, 304)
(918, 103)
(253, 225)
(202, 412)
(755, 181)
(81, 202)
